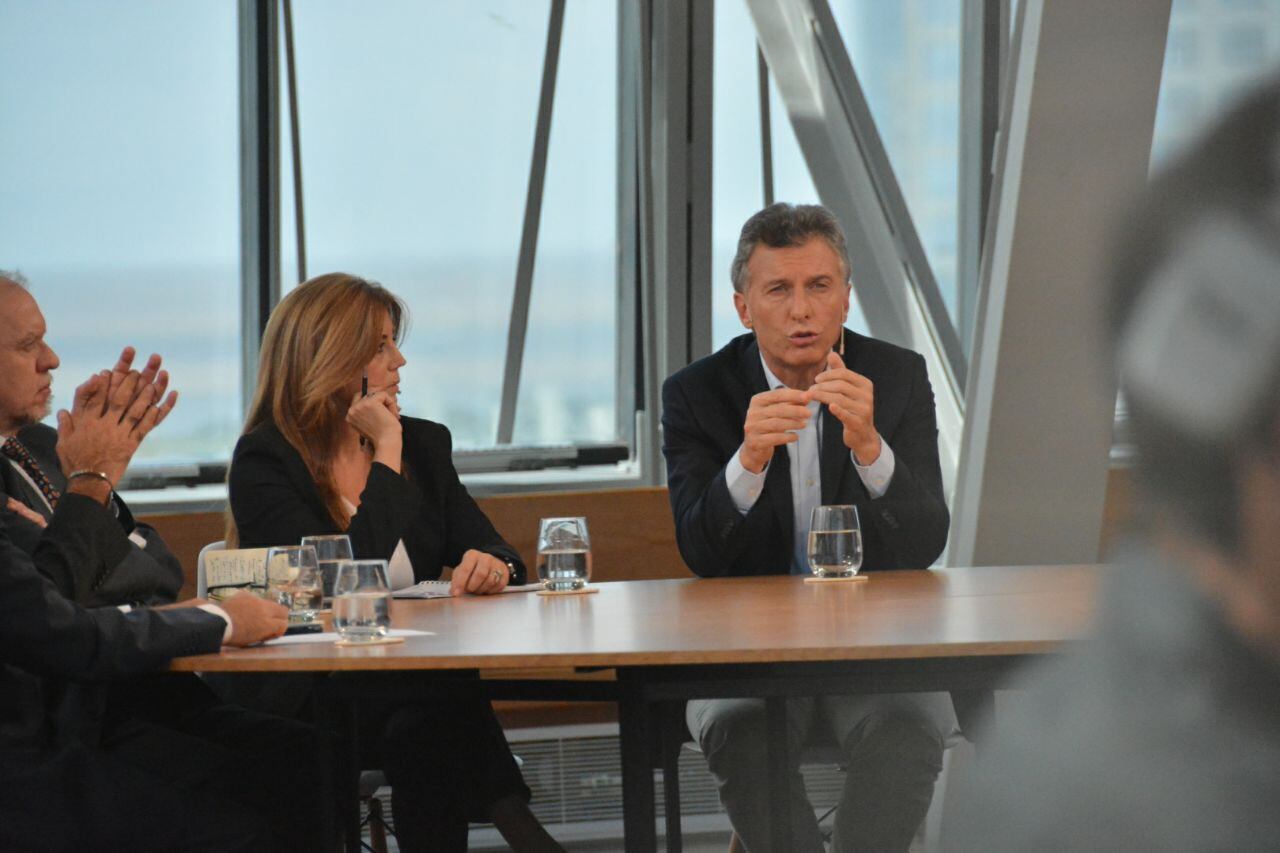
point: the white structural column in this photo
(1039, 406)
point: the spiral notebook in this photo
(440, 589)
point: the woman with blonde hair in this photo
(326, 450)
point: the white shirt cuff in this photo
(221, 614)
(744, 486)
(878, 474)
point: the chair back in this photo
(202, 585)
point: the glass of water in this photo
(361, 600)
(293, 579)
(564, 554)
(331, 549)
(835, 542)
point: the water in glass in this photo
(362, 600)
(293, 579)
(835, 542)
(331, 549)
(564, 554)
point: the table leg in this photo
(776, 735)
(672, 740)
(634, 730)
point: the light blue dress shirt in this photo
(806, 476)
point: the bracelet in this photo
(98, 475)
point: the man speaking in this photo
(798, 413)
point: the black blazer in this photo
(47, 641)
(274, 501)
(703, 410)
(150, 575)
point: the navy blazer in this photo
(47, 642)
(704, 407)
(274, 501)
(150, 575)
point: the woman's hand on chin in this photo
(377, 418)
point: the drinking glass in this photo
(293, 579)
(564, 554)
(361, 600)
(835, 542)
(331, 549)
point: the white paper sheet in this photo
(440, 589)
(330, 636)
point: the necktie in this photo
(13, 449)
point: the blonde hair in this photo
(323, 333)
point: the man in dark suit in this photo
(57, 791)
(148, 574)
(801, 413)
(31, 476)
(163, 739)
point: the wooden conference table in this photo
(958, 630)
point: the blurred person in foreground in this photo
(797, 413)
(1163, 733)
(71, 778)
(326, 450)
(165, 723)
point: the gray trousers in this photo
(892, 743)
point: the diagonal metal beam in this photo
(892, 278)
(295, 137)
(518, 328)
(898, 217)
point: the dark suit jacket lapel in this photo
(12, 483)
(43, 444)
(777, 480)
(18, 487)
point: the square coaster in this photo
(586, 590)
(381, 641)
(851, 579)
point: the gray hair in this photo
(13, 277)
(783, 225)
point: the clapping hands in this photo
(112, 412)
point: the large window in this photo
(119, 173)
(907, 57)
(417, 129)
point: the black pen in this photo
(364, 392)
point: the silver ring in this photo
(495, 574)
